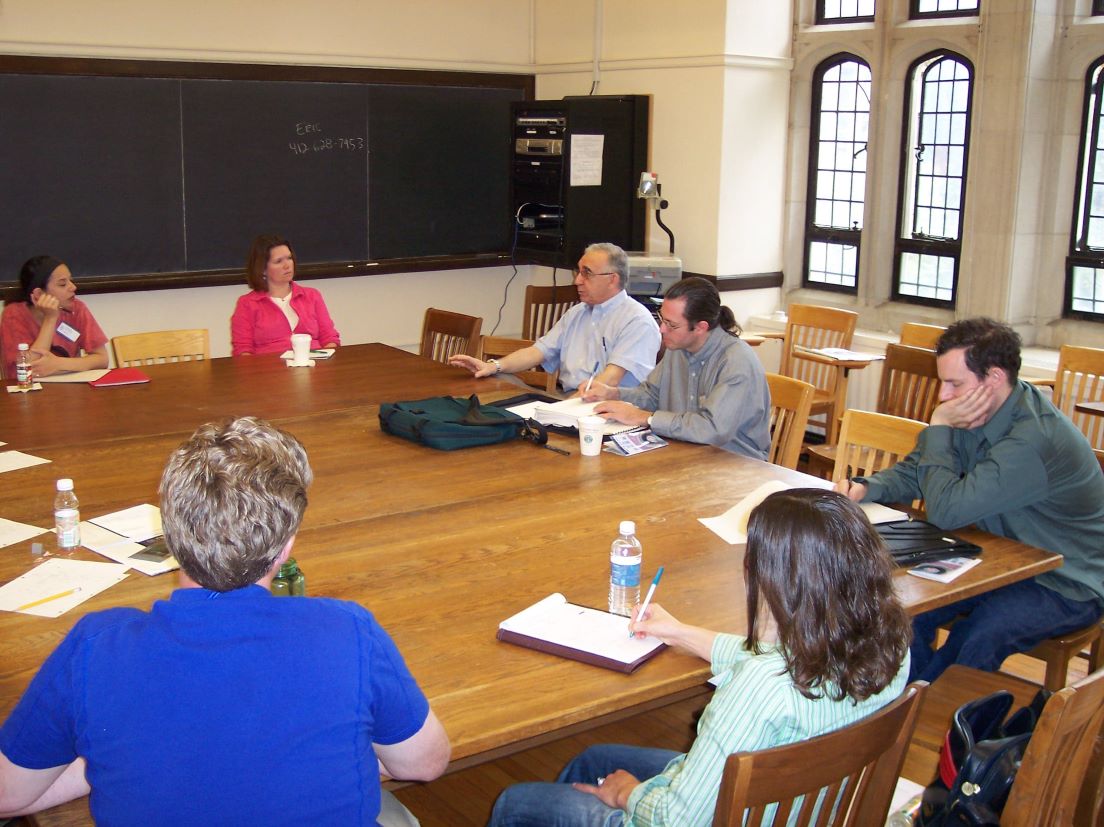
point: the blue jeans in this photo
(996, 624)
(560, 805)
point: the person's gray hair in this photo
(231, 498)
(618, 260)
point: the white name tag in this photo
(70, 333)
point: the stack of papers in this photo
(131, 537)
(565, 414)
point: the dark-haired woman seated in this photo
(276, 307)
(827, 644)
(52, 321)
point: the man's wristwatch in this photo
(497, 364)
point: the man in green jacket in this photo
(999, 455)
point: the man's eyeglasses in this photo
(670, 325)
(587, 273)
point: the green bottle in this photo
(297, 583)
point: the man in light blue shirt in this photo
(609, 335)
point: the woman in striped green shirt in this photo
(826, 645)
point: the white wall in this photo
(718, 76)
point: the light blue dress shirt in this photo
(619, 331)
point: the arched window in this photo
(844, 11)
(836, 186)
(943, 8)
(1085, 263)
(933, 179)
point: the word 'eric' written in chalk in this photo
(321, 143)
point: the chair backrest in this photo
(789, 416)
(496, 346)
(544, 304)
(1058, 782)
(1080, 378)
(446, 334)
(812, 326)
(871, 441)
(916, 334)
(856, 768)
(910, 384)
(161, 346)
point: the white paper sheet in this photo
(842, 354)
(77, 376)
(14, 460)
(55, 586)
(579, 627)
(138, 523)
(17, 389)
(12, 532)
(586, 160)
(732, 525)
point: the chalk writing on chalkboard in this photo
(347, 163)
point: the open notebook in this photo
(578, 632)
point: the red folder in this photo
(120, 376)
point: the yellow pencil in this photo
(42, 600)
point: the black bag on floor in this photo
(448, 423)
(978, 762)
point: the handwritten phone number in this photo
(327, 145)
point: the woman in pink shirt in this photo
(276, 307)
(57, 326)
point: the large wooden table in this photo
(441, 546)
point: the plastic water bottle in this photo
(626, 555)
(23, 373)
(66, 517)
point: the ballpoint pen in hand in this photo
(590, 381)
(648, 597)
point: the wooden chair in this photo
(497, 346)
(811, 326)
(445, 334)
(916, 334)
(790, 402)
(856, 767)
(871, 441)
(1058, 783)
(1057, 652)
(1080, 378)
(909, 389)
(160, 347)
(544, 304)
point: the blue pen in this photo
(590, 381)
(648, 597)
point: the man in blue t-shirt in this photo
(224, 704)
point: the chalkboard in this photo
(134, 176)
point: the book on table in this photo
(580, 633)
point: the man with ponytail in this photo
(708, 388)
